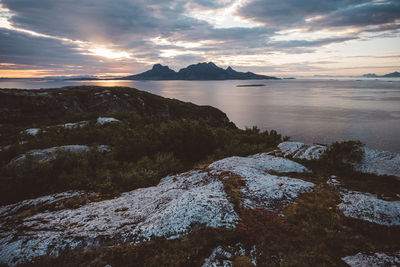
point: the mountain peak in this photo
(395, 74)
(230, 70)
(199, 71)
(159, 67)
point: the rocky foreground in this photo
(198, 199)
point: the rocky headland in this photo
(289, 204)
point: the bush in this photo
(338, 159)
(143, 151)
(346, 152)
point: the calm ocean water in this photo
(315, 111)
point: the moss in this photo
(242, 261)
(188, 251)
(232, 185)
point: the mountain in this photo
(158, 72)
(395, 74)
(200, 71)
(370, 75)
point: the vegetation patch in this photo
(305, 176)
(144, 150)
(338, 161)
(188, 251)
(314, 224)
(233, 184)
(69, 203)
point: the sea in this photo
(308, 110)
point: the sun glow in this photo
(108, 53)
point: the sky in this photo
(275, 37)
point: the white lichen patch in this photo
(41, 155)
(224, 255)
(218, 257)
(259, 163)
(264, 190)
(105, 120)
(299, 150)
(31, 131)
(367, 207)
(379, 162)
(171, 209)
(73, 125)
(373, 259)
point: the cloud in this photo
(169, 32)
(286, 13)
(310, 43)
(372, 13)
(118, 21)
(22, 48)
(316, 14)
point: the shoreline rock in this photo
(373, 162)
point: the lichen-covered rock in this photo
(224, 255)
(379, 162)
(264, 190)
(106, 120)
(41, 155)
(171, 209)
(259, 163)
(31, 131)
(373, 162)
(72, 125)
(367, 207)
(373, 259)
(9, 210)
(299, 150)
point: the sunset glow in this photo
(303, 38)
(108, 53)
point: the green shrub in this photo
(338, 159)
(143, 151)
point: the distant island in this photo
(395, 74)
(200, 71)
(250, 85)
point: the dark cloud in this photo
(100, 20)
(372, 13)
(286, 14)
(22, 48)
